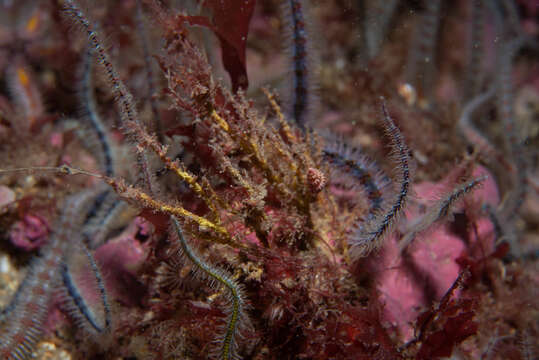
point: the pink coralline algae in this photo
(30, 233)
(409, 281)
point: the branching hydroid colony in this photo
(257, 236)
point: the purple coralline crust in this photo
(409, 282)
(30, 233)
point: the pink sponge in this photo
(409, 281)
(122, 257)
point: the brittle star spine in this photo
(472, 80)
(369, 236)
(22, 327)
(221, 278)
(105, 203)
(440, 210)
(505, 111)
(360, 168)
(376, 16)
(124, 99)
(421, 62)
(77, 306)
(303, 64)
(90, 112)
